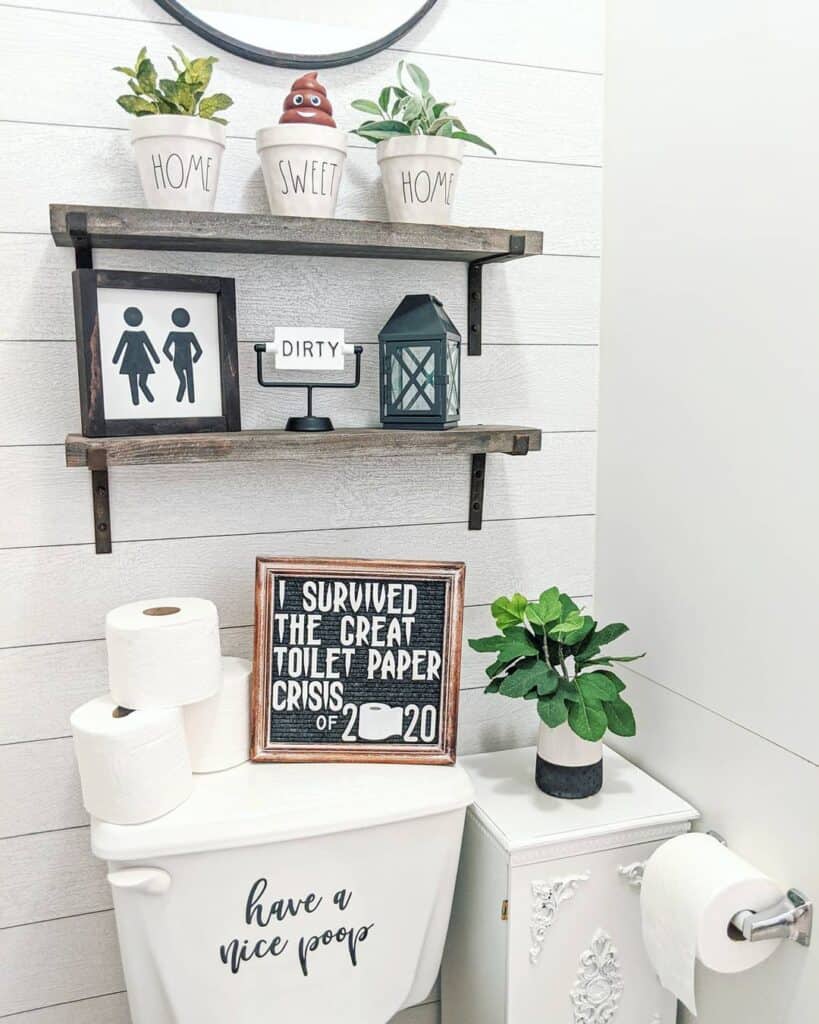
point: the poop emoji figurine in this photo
(307, 103)
(303, 155)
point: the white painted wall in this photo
(529, 78)
(708, 498)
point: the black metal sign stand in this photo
(308, 422)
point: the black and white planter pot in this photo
(179, 158)
(420, 175)
(302, 165)
(568, 766)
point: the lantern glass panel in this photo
(412, 378)
(453, 356)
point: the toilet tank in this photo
(288, 893)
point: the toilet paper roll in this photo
(163, 653)
(379, 721)
(692, 887)
(218, 729)
(134, 765)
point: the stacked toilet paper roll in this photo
(163, 654)
(134, 765)
(175, 707)
(218, 729)
(692, 887)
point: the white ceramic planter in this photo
(567, 766)
(420, 175)
(179, 159)
(302, 166)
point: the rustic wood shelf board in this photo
(110, 227)
(264, 445)
(98, 453)
(85, 228)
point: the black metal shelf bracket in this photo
(476, 488)
(100, 498)
(77, 224)
(474, 288)
(477, 480)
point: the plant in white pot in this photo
(303, 155)
(550, 652)
(419, 148)
(178, 138)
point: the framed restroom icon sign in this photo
(156, 353)
(356, 660)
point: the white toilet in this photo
(290, 894)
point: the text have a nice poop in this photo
(240, 951)
(376, 616)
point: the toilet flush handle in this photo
(151, 880)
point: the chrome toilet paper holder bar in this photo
(790, 918)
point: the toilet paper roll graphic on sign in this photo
(692, 887)
(163, 653)
(134, 765)
(379, 721)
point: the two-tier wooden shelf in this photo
(88, 227)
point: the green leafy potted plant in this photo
(548, 651)
(178, 138)
(419, 148)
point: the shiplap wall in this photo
(527, 76)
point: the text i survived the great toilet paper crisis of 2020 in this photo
(357, 660)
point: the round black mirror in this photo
(319, 34)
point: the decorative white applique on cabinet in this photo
(633, 873)
(547, 897)
(599, 983)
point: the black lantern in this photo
(420, 362)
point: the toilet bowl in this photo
(289, 894)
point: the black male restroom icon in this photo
(136, 351)
(183, 349)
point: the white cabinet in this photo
(545, 925)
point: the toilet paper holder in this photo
(790, 918)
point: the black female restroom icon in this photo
(136, 351)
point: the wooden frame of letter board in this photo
(323, 568)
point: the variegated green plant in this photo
(183, 95)
(549, 651)
(400, 110)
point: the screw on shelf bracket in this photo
(474, 288)
(98, 464)
(476, 488)
(77, 224)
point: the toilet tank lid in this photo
(270, 803)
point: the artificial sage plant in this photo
(183, 95)
(402, 111)
(549, 651)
